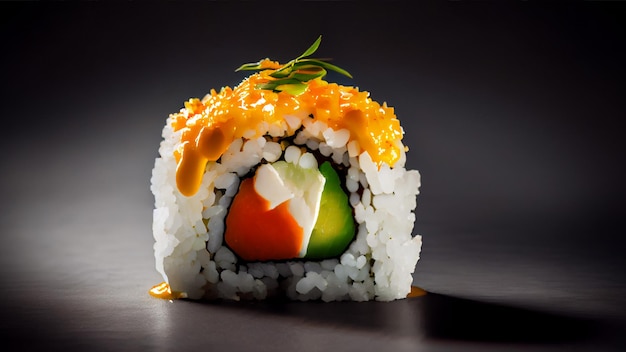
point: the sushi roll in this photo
(286, 185)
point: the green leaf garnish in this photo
(250, 66)
(293, 76)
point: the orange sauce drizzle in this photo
(210, 125)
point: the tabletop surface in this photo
(512, 114)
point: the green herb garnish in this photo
(293, 76)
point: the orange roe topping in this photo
(269, 64)
(210, 125)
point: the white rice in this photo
(188, 231)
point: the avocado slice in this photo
(334, 228)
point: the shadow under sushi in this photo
(437, 317)
(448, 317)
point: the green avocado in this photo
(334, 229)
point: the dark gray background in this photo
(513, 115)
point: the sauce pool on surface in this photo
(210, 125)
(164, 291)
(416, 292)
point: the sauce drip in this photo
(164, 291)
(210, 125)
(416, 292)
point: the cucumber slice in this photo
(334, 228)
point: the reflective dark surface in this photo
(513, 115)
